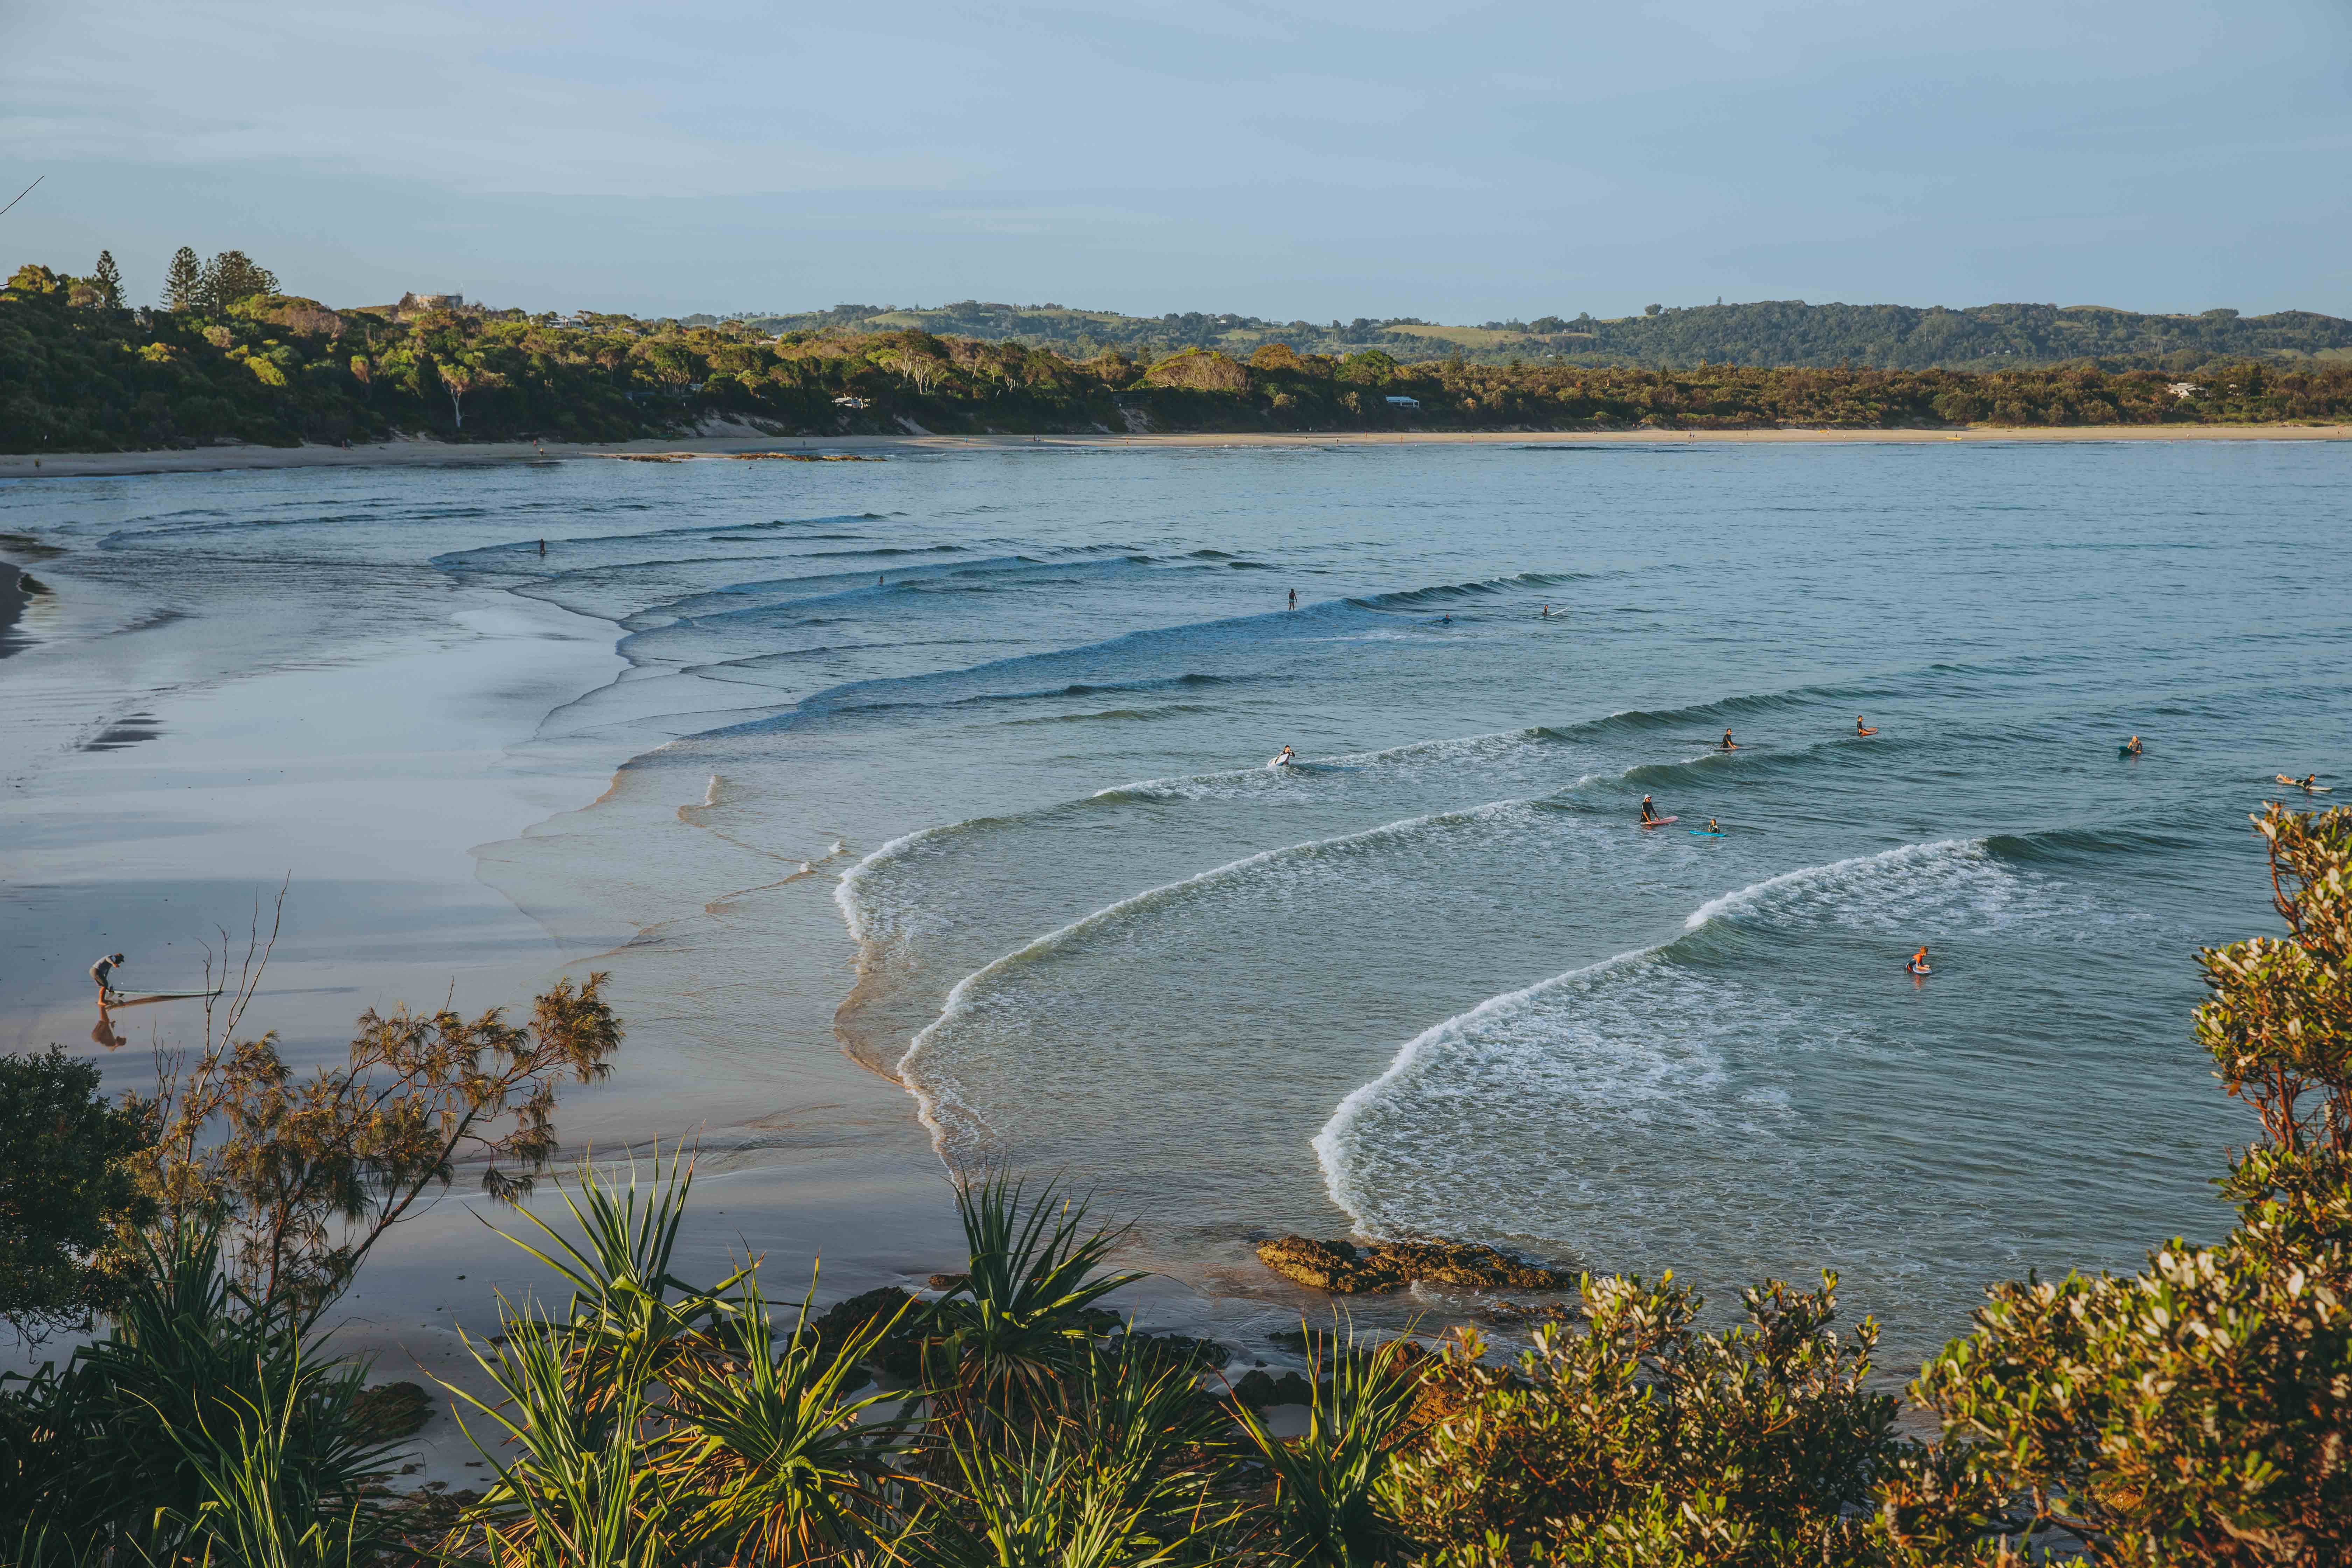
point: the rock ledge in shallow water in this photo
(1346, 1270)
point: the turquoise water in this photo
(1435, 980)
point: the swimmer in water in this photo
(1445, 620)
(1649, 812)
(1728, 743)
(2132, 747)
(1918, 964)
(1861, 729)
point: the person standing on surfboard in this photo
(103, 972)
(1294, 598)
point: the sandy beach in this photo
(384, 743)
(207, 459)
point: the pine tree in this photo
(232, 276)
(184, 281)
(108, 279)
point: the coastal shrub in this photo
(202, 1425)
(2201, 1409)
(1642, 1438)
(308, 1174)
(68, 1187)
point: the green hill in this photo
(1767, 332)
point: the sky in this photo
(1333, 158)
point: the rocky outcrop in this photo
(1346, 1270)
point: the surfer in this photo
(1445, 620)
(1649, 812)
(1284, 759)
(103, 972)
(1547, 612)
(1294, 598)
(1861, 729)
(1711, 827)
(1728, 743)
(1918, 964)
(542, 547)
(2130, 748)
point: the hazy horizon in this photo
(1315, 161)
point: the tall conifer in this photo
(108, 278)
(184, 280)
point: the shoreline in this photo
(217, 459)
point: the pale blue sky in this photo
(1365, 158)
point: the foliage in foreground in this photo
(2195, 1412)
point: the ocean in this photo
(971, 747)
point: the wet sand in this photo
(66, 464)
(166, 776)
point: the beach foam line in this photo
(1334, 1143)
(959, 999)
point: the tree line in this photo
(229, 357)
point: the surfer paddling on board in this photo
(2130, 748)
(1918, 964)
(1861, 729)
(103, 972)
(1728, 743)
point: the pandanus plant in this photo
(1118, 1474)
(781, 1463)
(1326, 1510)
(1024, 1315)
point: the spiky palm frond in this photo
(1021, 1316)
(629, 1314)
(1325, 1511)
(781, 1464)
(581, 1489)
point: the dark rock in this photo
(950, 1281)
(1257, 1390)
(391, 1411)
(1345, 1269)
(1513, 1314)
(1181, 1350)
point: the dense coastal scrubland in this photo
(79, 373)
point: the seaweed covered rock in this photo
(391, 1411)
(1345, 1269)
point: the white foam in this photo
(1744, 901)
(1583, 1039)
(964, 997)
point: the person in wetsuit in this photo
(1294, 598)
(1918, 964)
(2132, 747)
(1728, 743)
(1861, 729)
(1649, 812)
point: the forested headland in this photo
(1763, 333)
(230, 357)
